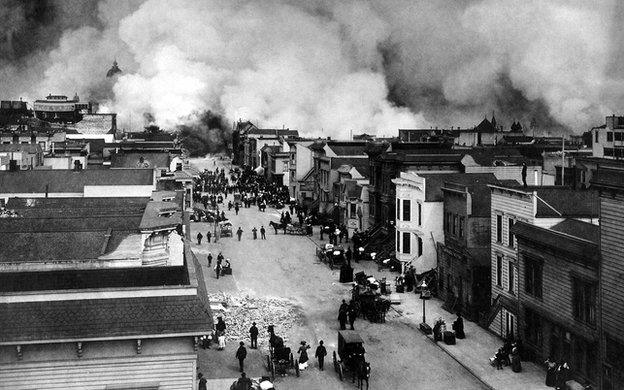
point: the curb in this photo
(474, 374)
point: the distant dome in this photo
(113, 70)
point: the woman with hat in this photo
(303, 355)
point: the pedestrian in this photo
(202, 381)
(524, 175)
(458, 327)
(199, 238)
(340, 235)
(321, 229)
(219, 258)
(303, 355)
(255, 233)
(320, 354)
(243, 383)
(217, 269)
(209, 259)
(253, 334)
(282, 218)
(349, 255)
(221, 339)
(241, 354)
(262, 232)
(236, 208)
(239, 233)
(352, 313)
(342, 315)
(208, 236)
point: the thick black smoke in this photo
(208, 134)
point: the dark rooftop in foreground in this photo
(36, 181)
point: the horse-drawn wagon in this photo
(351, 357)
(280, 357)
(332, 255)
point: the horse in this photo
(277, 225)
(363, 374)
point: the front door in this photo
(510, 323)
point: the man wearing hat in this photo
(241, 354)
(253, 334)
(320, 354)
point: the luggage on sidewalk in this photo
(449, 337)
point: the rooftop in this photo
(96, 314)
(571, 238)
(435, 182)
(51, 181)
(347, 148)
(145, 159)
(26, 148)
(362, 165)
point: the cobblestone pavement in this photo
(285, 267)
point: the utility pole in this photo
(562, 160)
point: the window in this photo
(398, 239)
(407, 212)
(444, 222)
(499, 270)
(533, 327)
(454, 224)
(420, 246)
(510, 234)
(419, 214)
(406, 242)
(596, 136)
(462, 221)
(398, 214)
(510, 283)
(352, 211)
(533, 277)
(584, 300)
(499, 228)
(609, 136)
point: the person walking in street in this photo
(349, 255)
(202, 382)
(262, 232)
(209, 259)
(208, 236)
(253, 335)
(239, 233)
(342, 315)
(243, 383)
(218, 269)
(352, 313)
(303, 355)
(199, 238)
(255, 233)
(241, 354)
(236, 208)
(320, 354)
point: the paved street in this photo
(286, 266)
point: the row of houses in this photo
(513, 227)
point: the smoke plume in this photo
(323, 67)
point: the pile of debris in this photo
(239, 312)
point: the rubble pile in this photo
(239, 312)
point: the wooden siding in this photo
(556, 303)
(170, 372)
(612, 265)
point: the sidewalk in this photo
(474, 351)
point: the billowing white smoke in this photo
(269, 62)
(330, 65)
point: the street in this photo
(285, 266)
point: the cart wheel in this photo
(291, 361)
(340, 372)
(297, 367)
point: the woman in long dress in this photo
(303, 355)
